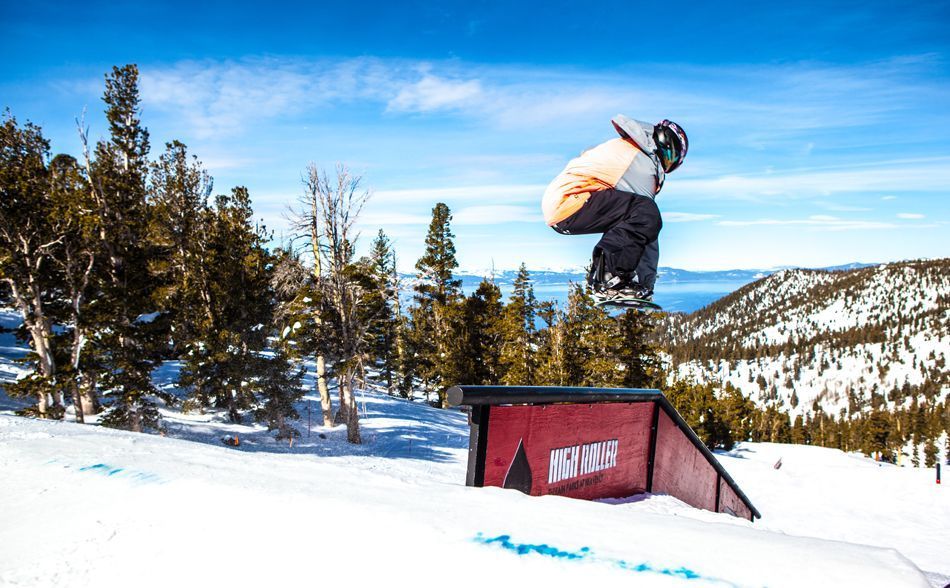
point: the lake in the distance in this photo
(672, 296)
(683, 294)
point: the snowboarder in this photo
(610, 189)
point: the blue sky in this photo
(818, 131)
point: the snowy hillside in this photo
(832, 337)
(88, 506)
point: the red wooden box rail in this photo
(592, 443)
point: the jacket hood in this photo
(640, 133)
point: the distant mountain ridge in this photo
(677, 290)
(665, 274)
(845, 340)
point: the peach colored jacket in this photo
(617, 163)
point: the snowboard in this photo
(628, 303)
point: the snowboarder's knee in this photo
(650, 218)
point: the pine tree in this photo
(418, 346)
(233, 304)
(576, 323)
(179, 233)
(298, 301)
(597, 341)
(780, 426)
(738, 412)
(799, 434)
(457, 357)
(402, 357)
(552, 370)
(28, 243)
(699, 407)
(636, 354)
(81, 275)
(125, 347)
(436, 291)
(930, 453)
(484, 311)
(383, 329)
(436, 281)
(876, 433)
(279, 386)
(518, 358)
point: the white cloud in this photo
(214, 164)
(562, 105)
(834, 207)
(925, 175)
(910, 216)
(686, 217)
(495, 214)
(489, 214)
(224, 98)
(382, 218)
(495, 193)
(817, 222)
(792, 101)
(434, 93)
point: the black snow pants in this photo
(630, 223)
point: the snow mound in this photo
(120, 508)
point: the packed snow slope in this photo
(88, 506)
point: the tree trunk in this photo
(136, 420)
(77, 403)
(87, 396)
(74, 362)
(326, 404)
(401, 364)
(77, 388)
(47, 365)
(352, 412)
(42, 404)
(234, 414)
(58, 400)
(343, 413)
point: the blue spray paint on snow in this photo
(102, 469)
(585, 553)
(526, 548)
(111, 471)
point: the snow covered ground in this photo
(88, 506)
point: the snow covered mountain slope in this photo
(87, 506)
(835, 337)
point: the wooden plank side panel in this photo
(584, 451)
(680, 469)
(729, 502)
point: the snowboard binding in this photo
(613, 291)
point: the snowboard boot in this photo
(618, 290)
(596, 277)
(638, 292)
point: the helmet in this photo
(671, 144)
